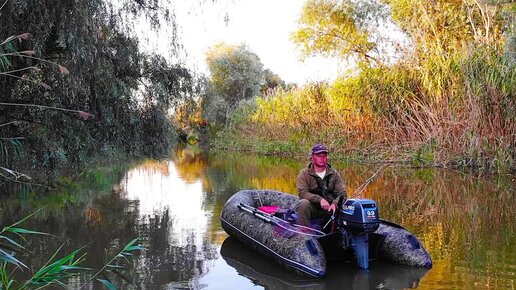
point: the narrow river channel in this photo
(466, 223)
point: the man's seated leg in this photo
(309, 213)
(305, 211)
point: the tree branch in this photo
(9, 123)
(25, 79)
(83, 115)
(3, 4)
(18, 175)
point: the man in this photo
(320, 187)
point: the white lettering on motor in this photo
(349, 207)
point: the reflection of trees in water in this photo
(427, 197)
(460, 220)
(170, 258)
(229, 173)
(163, 262)
(190, 163)
(418, 198)
(116, 221)
(222, 186)
(155, 166)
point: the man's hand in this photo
(324, 204)
(332, 208)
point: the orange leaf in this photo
(63, 70)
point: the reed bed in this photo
(456, 112)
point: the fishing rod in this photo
(363, 186)
(274, 220)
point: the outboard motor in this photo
(358, 218)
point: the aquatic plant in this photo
(56, 271)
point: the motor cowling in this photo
(359, 216)
(357, 219)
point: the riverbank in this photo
(97, 169)
(417, 155)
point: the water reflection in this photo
(256, 267)
(465, 223)
(171, 210)
(160, 192)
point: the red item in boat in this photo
(270, 209)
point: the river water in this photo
(465, 222)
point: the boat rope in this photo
(303, 230)
(260, 199)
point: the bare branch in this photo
(25, 79)
(21, 69)
(3, 4)
(14, 173)
(27, 54)
(10, 123)
(81, 114)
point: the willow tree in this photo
(236, 72)
(439, 32)
(339, 29)
(127, 91)
(273, 82)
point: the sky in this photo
(263, 25)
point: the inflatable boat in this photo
(264, 221)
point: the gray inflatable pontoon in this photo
(306, 250)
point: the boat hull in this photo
(302, 253)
